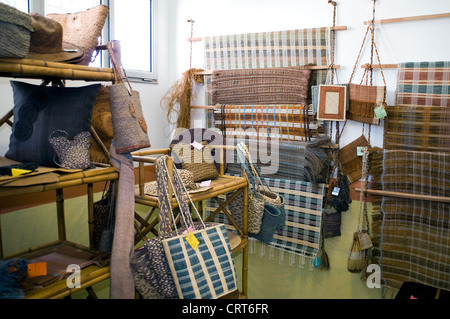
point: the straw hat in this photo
(15, 32)
(187, 177)
(83, 28)
(47, 42)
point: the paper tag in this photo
(360, 150)
(335, 191)
(380, 112)
(192, 240)
(37, 269)
(205, 184)
(316, 262)
(17, 172)
(197, 145)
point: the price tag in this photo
(316, 262)
(192, 240)
(380, 112)
(197, 145)
(360, 150)
(205, 183)
(37, 269)
(335, 191)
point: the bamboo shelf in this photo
(37, 69)
(58, 73)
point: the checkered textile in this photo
(415, 233)
(208, 272)
(303, 206)
(284, 121)
(423, 84)
(417, 128)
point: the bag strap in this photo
(363, 219)
(117, 66)
(252, 172)
(369, 28)
(181, 196)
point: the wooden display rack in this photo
(57, 73)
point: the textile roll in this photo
(415, 237)
(282, 121)
(297, 161)
(417, 128)
(289, 85)
(423, 84)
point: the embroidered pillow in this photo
(41, 110)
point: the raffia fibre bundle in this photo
(180, 95)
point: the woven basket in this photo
(350, 160)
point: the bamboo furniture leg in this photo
(60, 214)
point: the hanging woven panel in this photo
(289, 85)
(423, 84)
(417, 128)
(414, 244)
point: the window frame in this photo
(133, 75)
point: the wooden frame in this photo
(332, 103)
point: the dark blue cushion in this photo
(41, 110)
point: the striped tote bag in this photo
(206, 272)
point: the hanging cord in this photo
(192, 36)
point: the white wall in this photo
(425, 40)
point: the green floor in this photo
(272, 274)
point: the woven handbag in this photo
(365, 98)
(104, 220)
(199, 258)
(72, 152)
(260, 195)
(130, 127)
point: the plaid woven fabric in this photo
(303, 206)
(423, 84)
(417, 128)
(207, 272)
(415, 233)
(283, 121)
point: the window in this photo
(132, 25)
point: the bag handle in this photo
(117, 64)
(253, 173)
(180, 193)
(369, 27)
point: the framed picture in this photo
(332, 103)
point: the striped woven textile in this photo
(415, 233)
(303, 206)
(289, 160)
(270, 50)
(423, 84)
(282, 121)
(262, 86)
(417, 128)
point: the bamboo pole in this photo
(413, 18)
(314, 67)
(335, 28)
(30, 71)
(405, 195)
